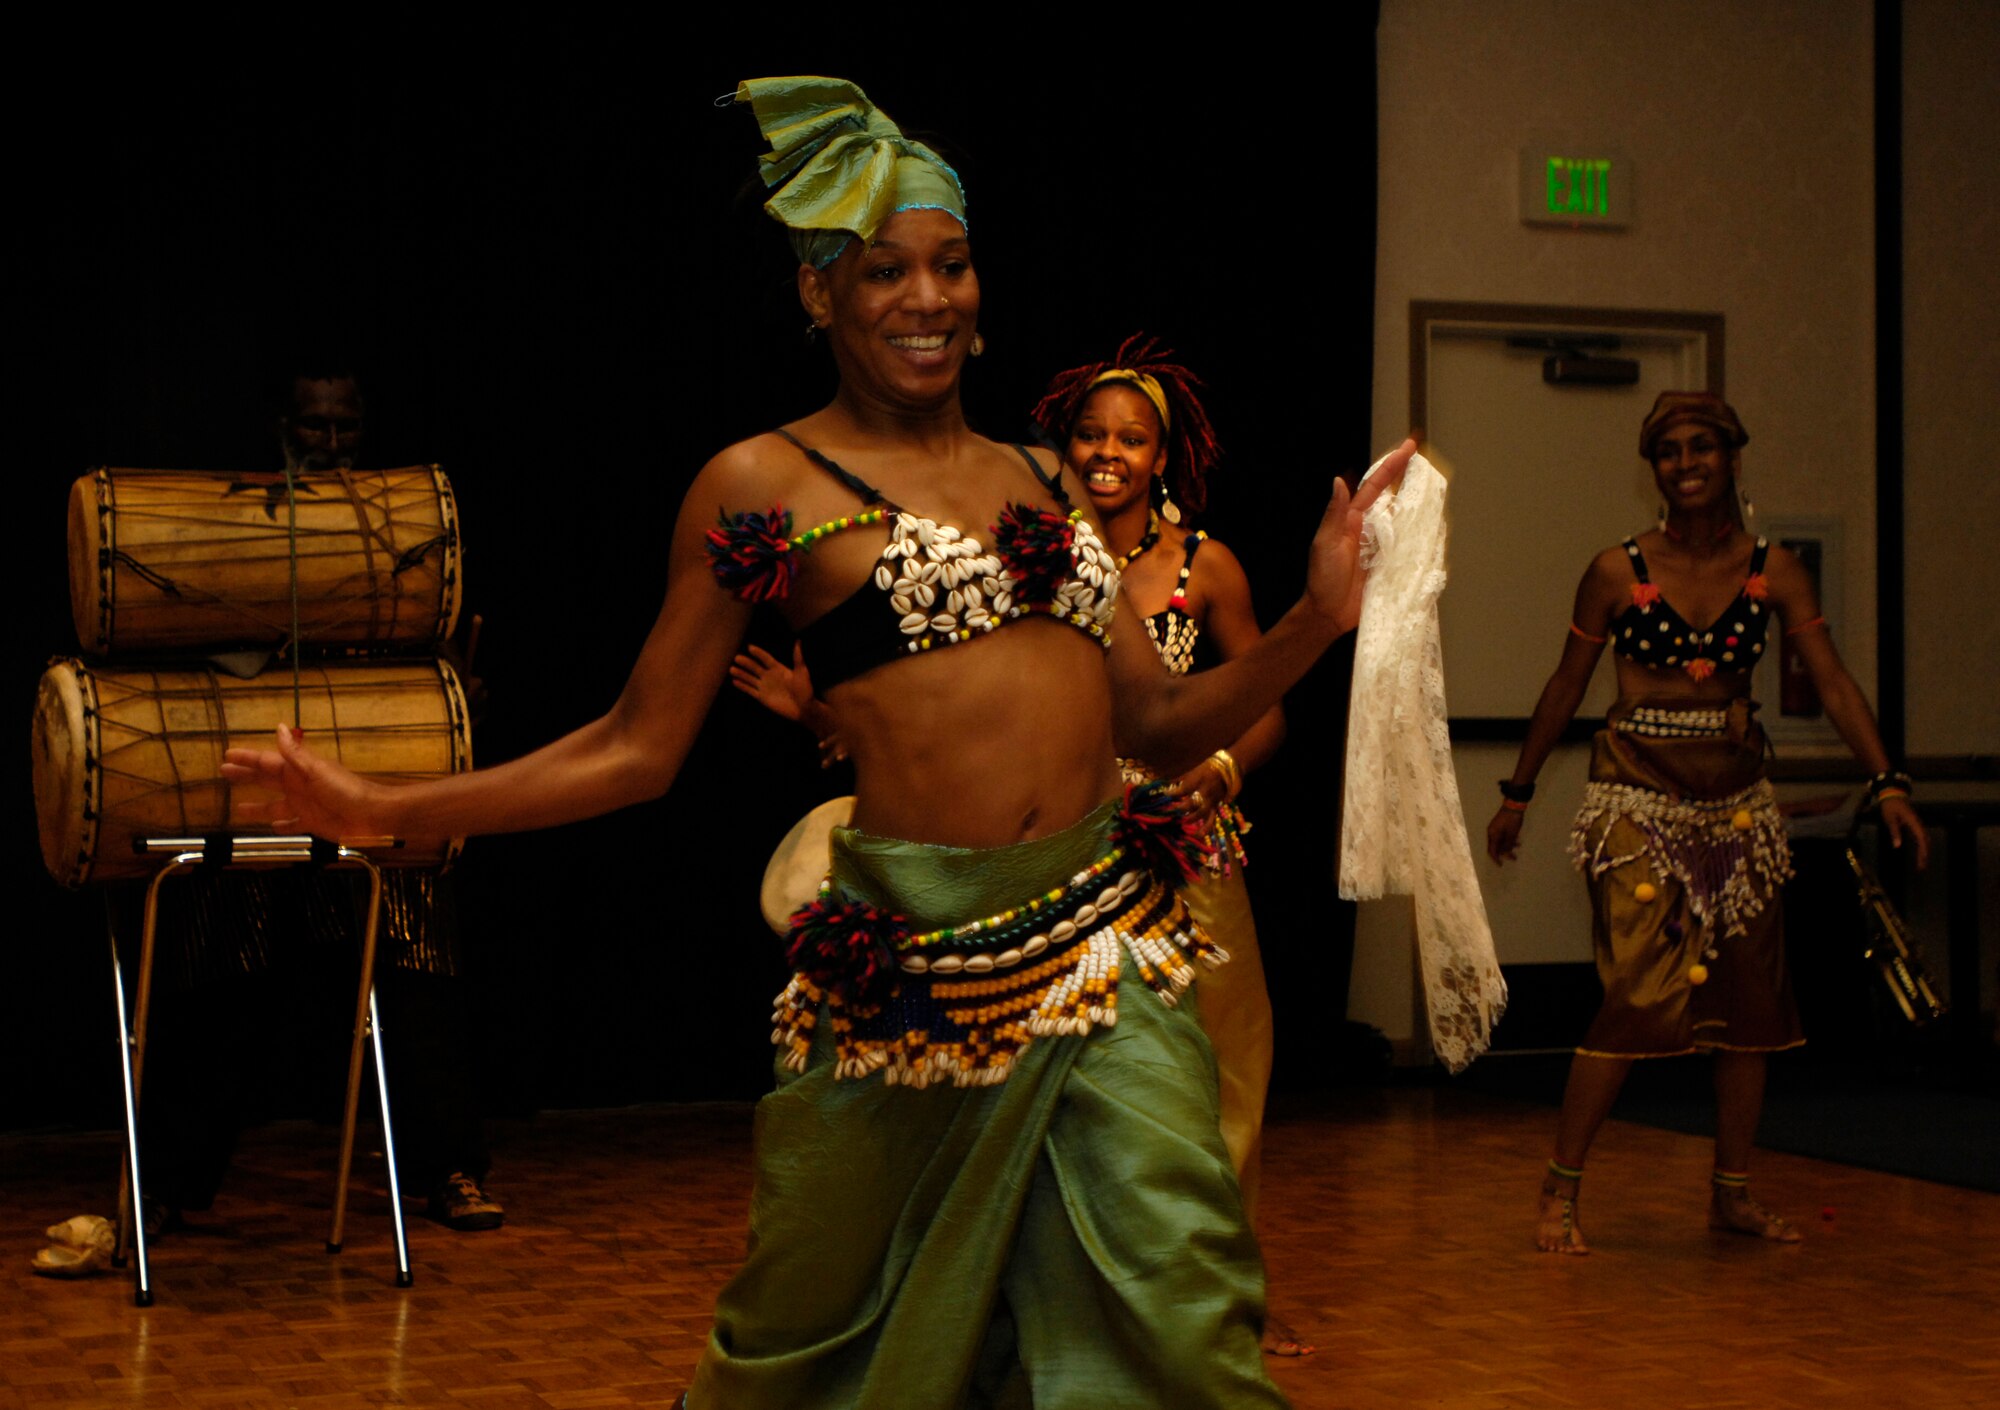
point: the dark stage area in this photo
(552, 273)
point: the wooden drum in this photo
(179, 559)
(122, 755)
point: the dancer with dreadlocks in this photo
(1136, 434)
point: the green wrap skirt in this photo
(1071, 1237)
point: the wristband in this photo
(1890, 783)
(1232, 772)
(1517, 792)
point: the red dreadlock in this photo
(1191, 446)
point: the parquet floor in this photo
(1397, 1237)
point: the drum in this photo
(122, 755)
(793, 875)
(180, 559)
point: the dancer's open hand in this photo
(760, 675)
(313, 794)
(1334, 576)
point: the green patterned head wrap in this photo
(839, 166)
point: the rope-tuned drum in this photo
(123, 754)
(186, 559)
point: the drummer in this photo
(224, 932)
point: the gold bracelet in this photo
(1232, 773)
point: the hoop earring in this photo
(812, 332)
(978, 348)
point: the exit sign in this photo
(1575, 187)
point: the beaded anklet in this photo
(1559, 1171)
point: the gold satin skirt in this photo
(1684, 852)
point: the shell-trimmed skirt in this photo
(1682, 847)
(1071, 1237)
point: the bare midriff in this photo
(1671, 683)
(995, 741)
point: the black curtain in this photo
(553, 274)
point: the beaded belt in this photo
(1674, 724)
(1730, 855)
(964, 1001)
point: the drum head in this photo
(796, 869)
(62, 773)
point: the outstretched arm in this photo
(629, 754)
(1596, 601)
(1798, 608)
(1168, 717)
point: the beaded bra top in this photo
(943, 586)
(1173, 630)
(1650, 632)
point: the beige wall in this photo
(1951, 373)
(1750, 127)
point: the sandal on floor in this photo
(77, 1247)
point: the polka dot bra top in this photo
(1650, 632)
(943, 586)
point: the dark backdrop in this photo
(557, 283)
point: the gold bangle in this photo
(1231, 771)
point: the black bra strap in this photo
(1638, 560)
(868, 493)
(1757, 555)
(1052, 483)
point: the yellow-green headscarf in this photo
(839, 165)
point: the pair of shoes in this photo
(460, 1204)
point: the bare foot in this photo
(1734, 1212)
(1556, 1226)
(1280, 1340)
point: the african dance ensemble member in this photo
(1679, 838)
(971, 1187)
(1137, 435)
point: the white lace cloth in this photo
(1402, 828)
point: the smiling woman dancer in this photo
(1137, 435)
(971, 1188)
(1679, 837)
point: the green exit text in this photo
(1579, 187)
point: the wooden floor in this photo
(1397, 1236)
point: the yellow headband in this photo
(1149, 385)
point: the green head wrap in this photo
(839, 166)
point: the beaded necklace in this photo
(1152, 537)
